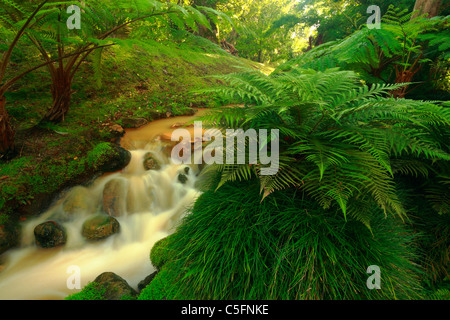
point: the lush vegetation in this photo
(285, 247)
(363, 124)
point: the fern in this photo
(341, 142)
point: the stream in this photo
(153, 203)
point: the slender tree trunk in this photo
(404, 76)
(6, 131)
(259, 51)
(62, 94)
(431, 7)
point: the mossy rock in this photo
(160, 254)
(108, 157)
(134, 123)
(9, 236)
(150, 163)
(50, 234)
(100, 227)
(148, 279)
(92, 291)
(107, 286)
(77, 200)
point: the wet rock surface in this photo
(114, 286)
(150, 163)
(77, 200)
(113, 197)
(116, 159)
(134, 123)
(100, 227)
(50, 234)
(9, 237)
(182, 178)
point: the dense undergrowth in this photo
(144, 78)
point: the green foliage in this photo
(402, 46)
(162, 287)
(337, 137)
(441, 294)
(92, 291)
(4, 218)
(336, 19)
(434, 228)
(262, 30)
(159, 255)
(96, 158)
(285, 247)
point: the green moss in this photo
(160, 254)
(92, 291)
(97, 157)
(27, 177)
(162, 287)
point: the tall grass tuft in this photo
(234, 246)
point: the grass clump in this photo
(285, 247)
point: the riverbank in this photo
(139, 85)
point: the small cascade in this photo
(147, 198)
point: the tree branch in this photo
(19, 34)
(8, 84)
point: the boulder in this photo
(50, 234)
(150, 163)
(167, 136)
(117, 130)
(109, 157)
(77, 200)
(133, 123)
(182, 178)
(114, 195)
(142, 284)
(100, 227)
(182, 124)
(114, 287)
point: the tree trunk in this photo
(6, 131)
(62, 94)
(431, 7)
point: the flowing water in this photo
(153, 202)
